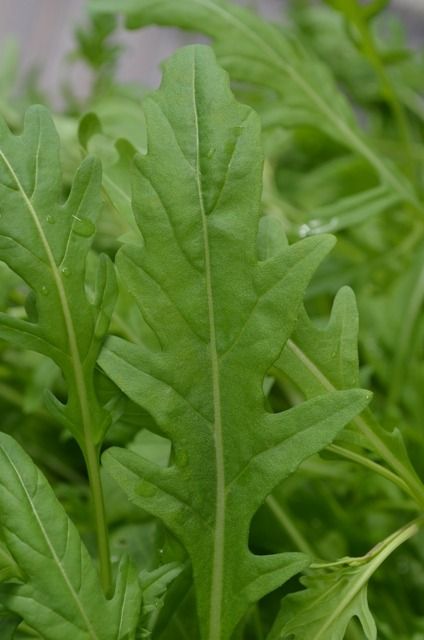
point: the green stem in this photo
(370, 50)
(370, 464)
(93, 469)
(259, 632)
(289, 527)
(410, 316)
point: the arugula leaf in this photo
(321, 360)
(258, 52)
(326, 607)
(59, 594)
(197, 193)
(154, 585)
(117, 158)
(334, 594)
(46, 242)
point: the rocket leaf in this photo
(220, 318)
(258, 52)
(59, 594)
(45, 240)
(335, 594)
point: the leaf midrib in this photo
(215, 621)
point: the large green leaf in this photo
(45, 241)
(258, 52)
(59, 594)
(220, 318)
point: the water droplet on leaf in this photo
(51, 219)
(304, 229)
(146, 489)
(66, 272)
(84, 228)
(44, 290)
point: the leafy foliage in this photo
(255, 51)
(207, 205)
(237, 448)
(59, 594)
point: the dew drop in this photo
(314, 224)
(44, 290)
(146, 489)
(84, 228)
(66, 272)
(304, 229)
(211, 152)
(51, 219)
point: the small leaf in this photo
(324, 610)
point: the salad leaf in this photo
(258, 52)
(59, 594)
(197, 193)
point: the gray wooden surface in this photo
(43, 29)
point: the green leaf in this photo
(8, 624)
(59, 594)
(350, 211)
(318, 359)
(155, 584)
(46, 241)
(258, 52)
(331, 599)
(221, 318)
(335, 593)
(113, 131)
(321, 360)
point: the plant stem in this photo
(288, 525)
(369, 49)
(370, 464)
(97, 496)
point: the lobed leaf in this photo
(258, 52)
(326, 607)
(220, 318)
(45, 241)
